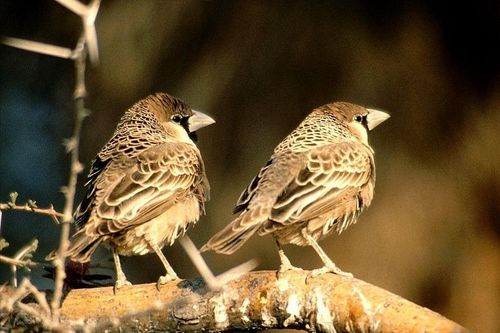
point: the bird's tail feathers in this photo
(81, 248)
(232, 237)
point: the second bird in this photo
(319, 179)
(146, 185)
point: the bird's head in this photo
(177, 117)
(359, 120)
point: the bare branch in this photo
(37, 47)
(23, 255)
(26, 208)
(199, 262)
(213, 282)
(75, 6)
(39, 297)
(8, 299)
(88, 14)
(236, 272)
(16, 262)
(11, 302)
(80, 93)
(258, 300)
(90, 31)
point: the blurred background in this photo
(432, 234)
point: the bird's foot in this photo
(285, 268)
(332, 268)
(121, 283)
(164, 279)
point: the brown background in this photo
(258, 67)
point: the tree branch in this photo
(16, 262)
(72, 145)
(258, 300)
(26, 208)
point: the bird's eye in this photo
(358, 118)
(177, 118)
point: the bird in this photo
(146, 186)
(319, 179)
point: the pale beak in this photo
(375, 117)
(199, 120)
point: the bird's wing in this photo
(132, 191)
(247, 195)
(256, 202)
(82, 212)
(332, 175)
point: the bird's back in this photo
(144, 183)
(319, 178)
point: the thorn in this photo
(83, 113)
(90, 31)
(64, 190)
(31, 204)
(74, 6)
(3, 244)
(13, 197)
(37, 47)
(69, 144)
(77, 167)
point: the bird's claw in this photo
(329, 269)
(164, 279)
(284, 268)
(121, 283)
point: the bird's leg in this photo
(170, 275)
(329, 265)
(286, 265)
(121, 279)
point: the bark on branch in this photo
(257, 300)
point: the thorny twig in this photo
(42, 312)
(42, 48)
(87, 45)
(30, 206)
(26, 208)
(23, 257)
(16, 262)
(72, 145)
(24, 289)
(88, 14)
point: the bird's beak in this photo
(199, 120)
(375, 117)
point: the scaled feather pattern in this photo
(146, 185)
(318, 179)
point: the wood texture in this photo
(258, 300)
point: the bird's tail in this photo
(81, 248)
(232, 237)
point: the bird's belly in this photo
(291, 234)
(161, 230)
(317, 228)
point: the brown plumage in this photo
(146, 185)
(319, 179)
